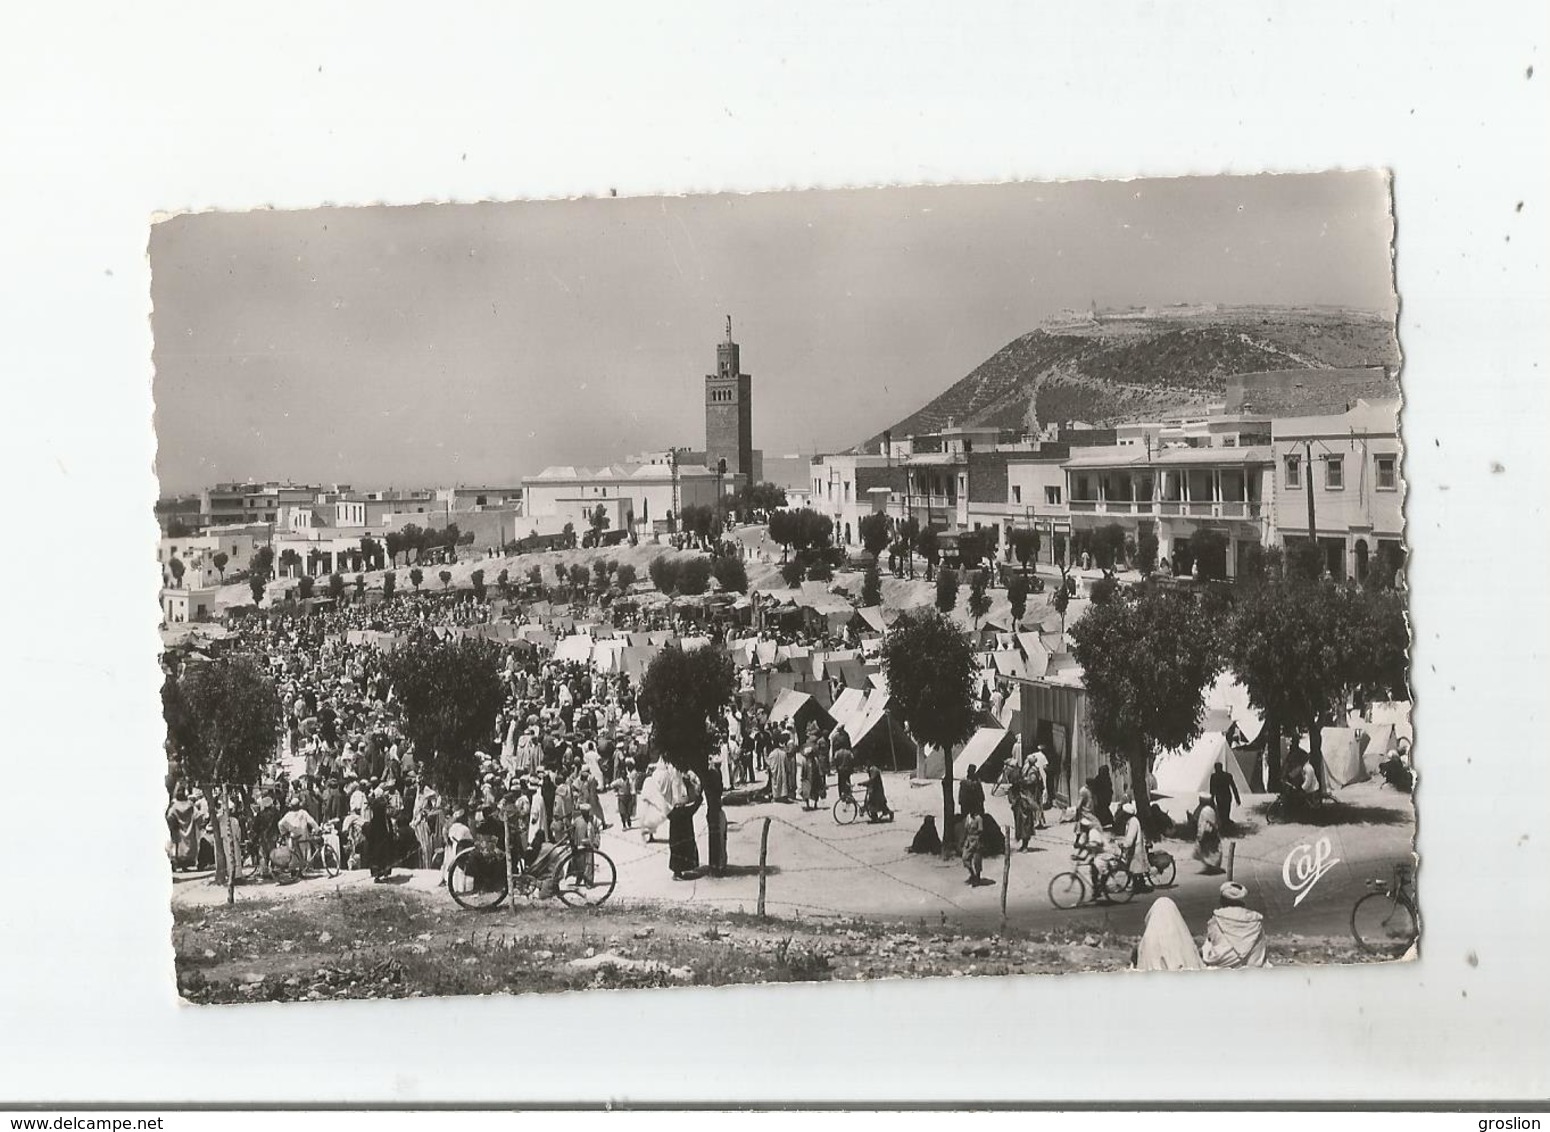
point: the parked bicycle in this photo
(480, 880)
(1385, 921)
(322, 855)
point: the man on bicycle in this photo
(297, 830)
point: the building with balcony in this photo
(1174, 493)
(1349, 463)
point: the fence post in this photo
(764, 850)
(1006, 877)
(1232, 851)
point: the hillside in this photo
(1107, 368)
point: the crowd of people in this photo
(569, 755)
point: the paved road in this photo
(819, 869)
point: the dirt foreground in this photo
(392, 942)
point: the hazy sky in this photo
(478, 343)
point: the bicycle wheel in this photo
(251, 856)
(330, 859)
(1164, 869)
(1117, 886)
(477, 879)
(846, 811)
(1067, 890)
(587, 878)
(1385, 924)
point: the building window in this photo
(1334, 473)
(1294, 472)
(1017, 493)
(1388, 473)
(1052, 496)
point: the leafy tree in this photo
(600, 574)
(260, 570)
(389, 585)
(819, 570)
(446, 578)
(371, 552)
(681, 692)
(1253, 565)
(930, 549)
(664, 573)
(782, 529)
(360, 586)
(416, 576)
(1017, 594)
(1304, 560)
(1306, 650)
(219, 561)
(176, 568)
(1104, 589)
(1025, 544)
(336, 587)
(450, 693)
(1386, 567)
(305, 586)
(814, 531)
(871, 587)
(568, 534)
(1145, 557)
(625, 576)
(792, 573)
(1062, 599)
(1209, 547)
(395, 543)
(476, 579)
(503, 580)
(930, 672)
(410, 540)
(1107, 545)
(1147, 656)
(694, 576)
(597, 521)
(224, 729)
(979, 600)
(946, 589)
(874, 533)
(731, 574)
(535, 575)
(579, 575)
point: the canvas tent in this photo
(987, 751)
(1183, 775)
(1343, 763)
(876, 736)
(799, 709)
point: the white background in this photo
(111, 112)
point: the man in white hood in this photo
(1235, 935)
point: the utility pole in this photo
(1313, 536)
(677, 508)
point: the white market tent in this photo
(577, 648)
(1342, 755)
(986, 748)
(1183, 775)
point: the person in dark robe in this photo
(378, 844)
(1103, 797)
(683, 856)
(927, 839)
(1224, 792)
